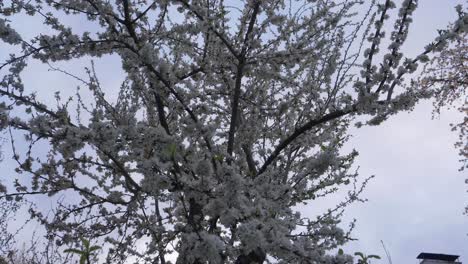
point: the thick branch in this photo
(395, 49)
(298, 132)
(238, 84)
(373, 48)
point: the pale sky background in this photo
(417, 199)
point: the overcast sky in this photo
(417, 199)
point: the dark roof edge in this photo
(435, 256)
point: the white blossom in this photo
(227, 119)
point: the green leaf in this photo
(218, 158)
(94, 248)
(85, 243)
(74, 251)
(83, 259)
(340, 252)
(374, 256)
(171, 149)
(359, 254)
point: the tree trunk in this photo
(257, 256)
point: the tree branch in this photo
(238, 83)
(217, 33)
(298, 132)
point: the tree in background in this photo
(447, 76)
(229, 118)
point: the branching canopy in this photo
(230, 115)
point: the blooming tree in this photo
(230, 116)
(447, 76)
